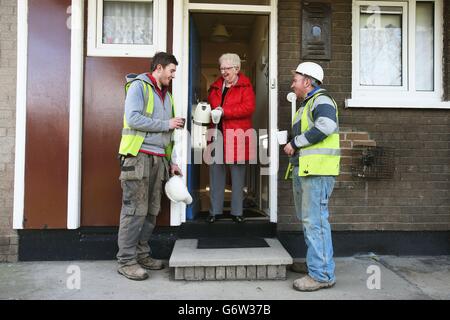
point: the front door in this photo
(193, 172)
(258, 55)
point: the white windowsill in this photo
(377, 103)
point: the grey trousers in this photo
(141, 180)
(217, 180)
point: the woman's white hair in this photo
(232, 58)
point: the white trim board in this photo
(177, 211)
(76, 115)
(21, 113)
(229, 8)
(273, 115)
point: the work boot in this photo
(133, 272)
(299, 267)
(151, 264)
(309, 284)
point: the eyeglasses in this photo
(225, 69)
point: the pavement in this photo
(364, 277)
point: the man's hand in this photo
(175, 170)
(176, 123)
(289, 150)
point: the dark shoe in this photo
(151, 264)
(299, 267)
(211, 219)
(238, 219)
(133, 272)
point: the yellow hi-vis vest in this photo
(322, 158)
(132, 139)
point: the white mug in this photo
(282, 137)
(216, 115)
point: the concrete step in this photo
(266, 263)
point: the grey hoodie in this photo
(157, 126)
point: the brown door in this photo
(47, 131)
(104, 98)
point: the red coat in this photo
(238, 108)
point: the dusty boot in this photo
(309, 284)
(299, 267)
(151, 264)
(133, 272)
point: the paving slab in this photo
(401, 278)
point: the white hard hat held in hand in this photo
(177, 191)
(311, 69)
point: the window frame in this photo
(96, 47)
(404, 96)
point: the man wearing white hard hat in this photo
(314, 164)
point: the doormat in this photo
(231, 242)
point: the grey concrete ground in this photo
(400, 278)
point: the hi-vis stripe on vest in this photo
(132, 139)
(322, 158)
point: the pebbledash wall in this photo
(8, 36)
(417, 198)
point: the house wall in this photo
(417, 197)
(8, 40)
(47, 131)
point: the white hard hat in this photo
(177, 191)
(311, 69)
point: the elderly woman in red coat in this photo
(233, 95)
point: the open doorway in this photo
(211, 35)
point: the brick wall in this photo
(417, 197)
(8, 36)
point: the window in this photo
(126, 28)
(397, 54)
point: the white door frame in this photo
(21, 113)
(181, 10)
